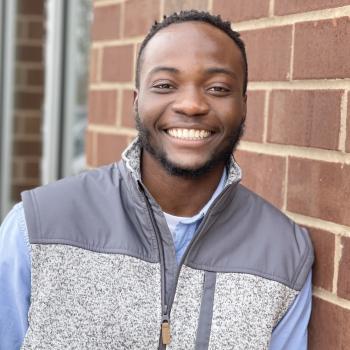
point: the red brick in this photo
(269, 52)
(17, 169)
(93, 65)
(28, 53)
(32, 170)
(106, 24)
(323, 268)
(241, 10)
(27, 148)
(32, 125)
(171, 6)
(255, 116)
(329, 325)
(110, 148)
(305, 118)
(348, 126)
(28, 100)
(103, 107)
(117, 63)
(128, 118)
(35, 77)
(284, 7)
(319, 189)
(263, 174)
(344, 268)
(322, 49)
(139, 16)
(35, 30)
(32, 7)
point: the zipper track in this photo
(192, 243)
(166, 308)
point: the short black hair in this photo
(200, 16)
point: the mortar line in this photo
(111, 86)
(312, 84)
(343, 121)
(27, 88)
(292, 54)
(122, 19)
(134, 54)
(277, 21)
(34, 65)
(271, 8)
(337, 229)
(30, 42)
(266, 115)
(296, 151)
(117, 42)
(30, 18)
(161, 9)
(331, 298)
(99, 65)
(210, 6)
(118, 119)
(112, 130)
(32, 159)
(103, 3)
(337, 256)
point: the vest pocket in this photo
(206, 311)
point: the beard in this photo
(214, 159)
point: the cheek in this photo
(150, 110)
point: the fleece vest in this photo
(104, 271)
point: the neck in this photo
(172, 193)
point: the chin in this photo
(188, 170)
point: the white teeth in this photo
(189, 134)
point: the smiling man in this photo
(164, 249)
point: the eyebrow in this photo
(212, 70)
(219, 70)
(164, 69)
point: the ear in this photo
(244, 114)
(136, 97)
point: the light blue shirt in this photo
(15, 283)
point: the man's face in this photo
(190, 107)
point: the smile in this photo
(188, 134)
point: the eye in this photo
(219, 90)
(163, 86)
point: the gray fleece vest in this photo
(104, 272)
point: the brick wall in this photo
(28, 97)
(296, 149)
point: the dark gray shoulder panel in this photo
(252, 236)
(94, 210)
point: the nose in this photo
(191, 102)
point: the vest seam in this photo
(222, 269)
(303, 260)
(48, 241)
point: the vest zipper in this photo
(166, 308)
(165, 326)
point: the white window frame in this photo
(8, 13)
(59, 102)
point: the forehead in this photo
(191, 44)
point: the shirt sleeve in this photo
(15, 271)
(291, 331)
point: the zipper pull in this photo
(166, 337)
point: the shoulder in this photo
(252, 236)
(71, 204)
